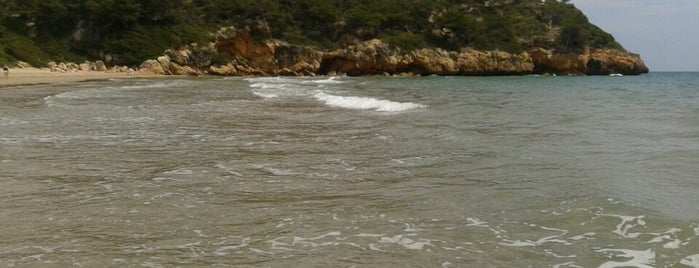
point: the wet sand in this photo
(35, 76)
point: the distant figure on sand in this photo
(5, 72)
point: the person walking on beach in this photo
(5, 72)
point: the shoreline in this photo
(19, 77)
(34, 76)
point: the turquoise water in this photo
(365, 172)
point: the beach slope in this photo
(35, 76)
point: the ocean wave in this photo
(278, 87)
(148, 85)
(270, 90)
(77, 94)
(691, 261)
(636, 258)
(95, 92)
(365, 103)
(274, 80)
(330, 80)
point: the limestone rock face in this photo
(294, 60)
(152, 67)
(243, 54)
(224, 70)
(375, 57)
(430, 61)
(86, 66)
(193, 55)
(593, 62)
(23, 65)
(245, 50)
(474, 62)
(177, 69)
(100, 66)
(273, 57)
(549, 62)
(604, 62)
(369, 58)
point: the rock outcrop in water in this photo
(245, 55)
(590, 62)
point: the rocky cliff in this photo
(245, 55)
(589, 62)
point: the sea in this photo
(522, 171)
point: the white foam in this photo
(669, 235)
(674, 244)
(691, 261)
(200, 233)
(181, 171)
(75, 95)
(255, 250)
(270, 90)
(639, 258)
(308, 241)
(265, 95)
(582, 236)
(276, 171)
(266, 90)
(477, 222)
(222, 251)
(540, 241)
(375, 248)
(369, 235)
(33, 258)
(567, 264)
(627, 223)
(169, 84)
(406, 242)
(276, 245)
(276, 87)
(408, 228)
(364, 103)
(229, 170)
(330, 80)
(42, 248)
(193, 247)
(94, 92)
(276, 79)
(334, 233)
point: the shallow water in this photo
(366, 172)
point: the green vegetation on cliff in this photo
(127, 32)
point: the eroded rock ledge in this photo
(237, 53)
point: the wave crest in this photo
(363, 103)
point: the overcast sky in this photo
(664, 32)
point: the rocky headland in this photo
(244, 55)
(312, 37)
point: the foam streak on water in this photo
(364, 103)
(288, 88)
(352, 172)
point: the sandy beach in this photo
(35, 76)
